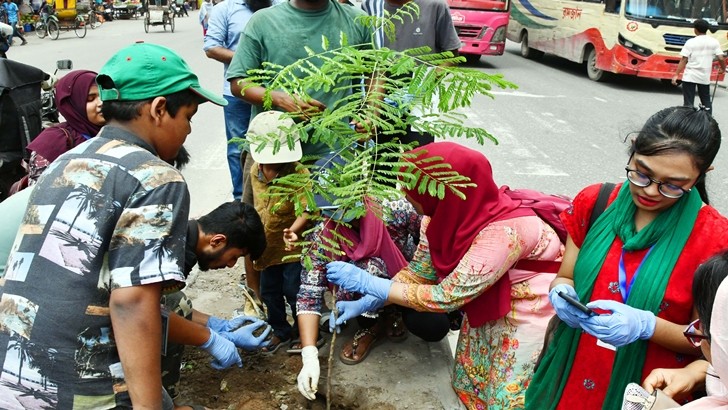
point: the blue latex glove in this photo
(223, 325)
(351, 309)
(357, 280)
(567, 313)
(623, 326)
(243, 336)
(223, 350)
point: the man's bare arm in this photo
(281, 100)
(187, 332)
(220, 54)
(137, 323)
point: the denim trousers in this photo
(279, 285)
(237, 118)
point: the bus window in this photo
(612, 6)
(685, 10)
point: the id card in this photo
(606, 345)
(165, 330)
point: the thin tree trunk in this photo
(331, 353)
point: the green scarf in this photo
(668, 233)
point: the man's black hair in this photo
(129, 110)
(701, 26)
(240, 223)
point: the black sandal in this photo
(394, 326)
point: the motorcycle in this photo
(49, 111)
(22, 109)
(107, 11)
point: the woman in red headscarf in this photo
(465, 260)
(77, 99)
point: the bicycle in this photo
(93, 20)
(47, 25)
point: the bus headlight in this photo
(500, 35)
(643, 51)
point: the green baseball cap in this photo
(143, 70)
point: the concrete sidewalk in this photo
(408, 375)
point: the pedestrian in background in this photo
(697, 62)
(14, 16)
(204, 15)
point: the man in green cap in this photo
(104, 232)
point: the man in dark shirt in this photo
(214, 241)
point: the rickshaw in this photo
(62, 16)
(158, 12)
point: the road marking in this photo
(526, 154)
(524, 94)
(540, 169)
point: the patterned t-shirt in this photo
(108, 214)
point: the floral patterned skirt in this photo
(494, 363)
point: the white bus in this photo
(632, 37)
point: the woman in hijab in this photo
(709, 333)
(465, 260)
(77, 99)
(379, 248)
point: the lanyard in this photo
(623, 288)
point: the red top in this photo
(589, 377)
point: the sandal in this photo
(393, 323)
(296, 345)
(358, 339)
(275, 344)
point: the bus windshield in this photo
(485, 5)
(678, 10)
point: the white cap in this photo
(269, 128)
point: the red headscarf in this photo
(454, 223)
(71, 96)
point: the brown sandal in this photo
(358, 336)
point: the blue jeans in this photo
(279, 285)
(237, 118)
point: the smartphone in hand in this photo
(576, 303)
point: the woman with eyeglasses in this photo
(633, 266)
(709, 333)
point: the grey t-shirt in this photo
(434, 27)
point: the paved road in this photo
(558, 132)
(561, 131)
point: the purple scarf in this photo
(71, 97)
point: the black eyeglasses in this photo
(691, 333)
(667, 190)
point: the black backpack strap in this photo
(604, 191)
